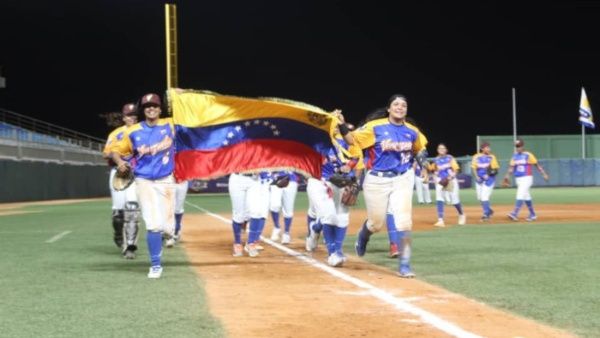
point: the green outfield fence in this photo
(35, 181)
(544, 146)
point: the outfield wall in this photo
(36, 181)
(544, 146)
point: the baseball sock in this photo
(254, 233)
(458, 207)
(530, 207)
(275, 216)
(391, 228)
(262, 222)
(287, 223)
(317, 227)
(178, 218)
(405, 250)
(440, 209)
(518, 206)
(486, 207)
(329, 235)
(237, 232)
(309, 220)
(340, 235)
(154, 240)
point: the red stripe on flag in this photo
(247, 156)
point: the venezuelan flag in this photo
(217, 135)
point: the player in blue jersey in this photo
(325, 200)
(151, 142)
(521, 164)
(485, 168)
(445, 168)
(388, 185)
(422, 184)
(282, 199)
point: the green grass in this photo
(79, 286)
(547, 272)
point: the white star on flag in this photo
(230, 135)
(225, 142)
(238, 128)
(247, 123)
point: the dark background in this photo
(66, 62)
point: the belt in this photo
(387, 173)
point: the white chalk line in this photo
(59, 236)
(386, 297)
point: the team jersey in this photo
(444, 166)
(523, 163)
(392, 146)
(160, 136)
(332, 162)
(480, 163)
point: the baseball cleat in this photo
(485, 218)
(275, 234)
(169, 243)
(155, 271)
(286, 239)
(513, 217)
(335, 260)
(491, 213)
(440, 223)
(393, 250)
(238, 250)
(531, 218)
(251, 250)
(360, 246)
(312, 241)
(405, 271)
(462, 219)
(259, 246)
(128, 254)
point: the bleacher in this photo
(26, 138)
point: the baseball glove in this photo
(122, 180)
(492, 172)
(444, 182)
(506, 182)
(282, 181)
(341, 180)
(350, 194)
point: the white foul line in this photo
(425, 316)
(57, 237)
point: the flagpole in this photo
(514, 111)
(583, 141)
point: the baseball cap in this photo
(129, 109)
(484, 144)
(519, 143)
(150, 99)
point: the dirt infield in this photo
(276, 295)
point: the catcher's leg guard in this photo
(131, 217)
(117, 223)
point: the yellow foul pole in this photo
(171, 44)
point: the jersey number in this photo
(405, 158)
(521, 168)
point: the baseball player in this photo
(389, 184)
(325, 199)
(282, 199)
(151, 143)
(521, 165)
(249, 193)
(485, 168)
(181, 189)
(422, 184)
(445, 168)
(125, 208)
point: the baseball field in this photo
(63, 277)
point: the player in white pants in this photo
(249, 195)
(422, 184)
(181, 190)
(389, 185)
(521, 164)
(325, 200)
(445, 167)
(485, 167)
(282, 199)
(151, 142)
(125, 207)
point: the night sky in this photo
(66, 62)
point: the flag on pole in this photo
(585, 111)
(217, 135)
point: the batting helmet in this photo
(149, 100)
(129, 109)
